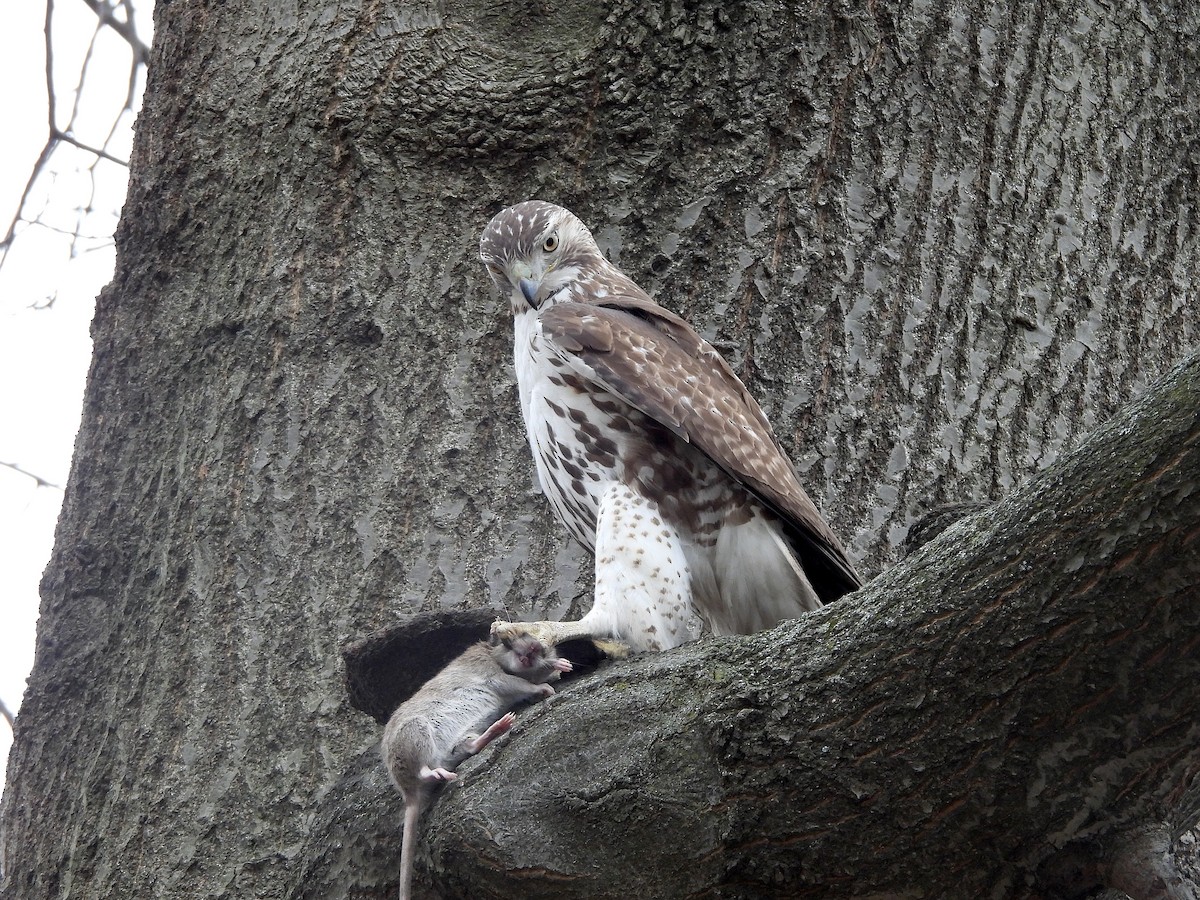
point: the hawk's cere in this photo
(651, 451)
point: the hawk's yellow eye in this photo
(550, 244)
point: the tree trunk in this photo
(938, 245)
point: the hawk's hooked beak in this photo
(529, 288)
(528, 279)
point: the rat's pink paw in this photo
(500, 726)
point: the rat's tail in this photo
(413, 807)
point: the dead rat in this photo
(433, 731)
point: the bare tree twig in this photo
(141, 53)
(41, 482)
(96, 240)
(48, 36)
(6, 712)
(75, 142)
(119, 16)
(46, 150)
(64, 134)
(83, 73)
(33, 177)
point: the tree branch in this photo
(66, 138)
(126, 29)
(57, 135)
(1023, 689)
(41, 482)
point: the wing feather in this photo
(653, 360)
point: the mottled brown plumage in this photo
(634, 418)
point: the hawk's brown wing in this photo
(653, 360)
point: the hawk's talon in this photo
(554, 633)
(611, 648)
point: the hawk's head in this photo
(535, 250)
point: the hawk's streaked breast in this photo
(583, 440)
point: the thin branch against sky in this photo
(41, 482)
(120, 19)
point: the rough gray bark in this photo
(939, 245)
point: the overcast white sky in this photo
(44, 352)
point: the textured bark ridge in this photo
(939, 244)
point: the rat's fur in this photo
(435, 729)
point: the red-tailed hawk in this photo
(651, 451)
